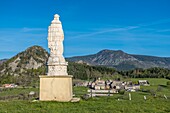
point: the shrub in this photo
(159, 88)
(122, 91)
(153, 92)
(168, 83)
(85, 97)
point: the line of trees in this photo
(155, 72)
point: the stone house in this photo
(143, 83)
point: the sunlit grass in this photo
(113, 104)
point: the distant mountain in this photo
(122, 61)
(2, 61)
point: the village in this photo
(100, 87)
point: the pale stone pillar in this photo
(56, 88)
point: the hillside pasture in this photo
(118, 103)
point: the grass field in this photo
(16, 91)
(111, 104)
(152, 81)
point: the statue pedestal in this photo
(56, 88)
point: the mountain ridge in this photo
(25, 68)
(110, 58)
(122, 61)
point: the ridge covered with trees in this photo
(25, 68)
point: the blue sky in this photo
(134, 26)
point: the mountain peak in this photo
(34, 48)
(32, 58)
(123, 61)
(108, 50)
(34, 51)
(112, 52)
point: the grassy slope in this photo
(96, 105)
(17, 91)
(152, 81)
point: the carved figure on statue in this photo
(55, 44)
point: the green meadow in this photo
(119, 103)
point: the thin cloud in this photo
(108, 30)
(162, 21)
(25, 29)
(164, 30)
(10, 33)
(105, 31)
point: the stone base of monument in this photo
(56, 88)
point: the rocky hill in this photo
(32, 58)
(122, 61)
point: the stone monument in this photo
(57, 84)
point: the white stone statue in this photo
(56, 62)
(57, 84)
